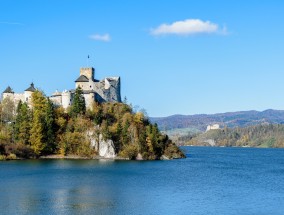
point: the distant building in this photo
(106, 90)
(213, 127)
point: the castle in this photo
(106, 90)
(213, 127)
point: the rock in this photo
(139, 157)
(105, 148)
(164, 157)
(211, 142)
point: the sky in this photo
(173, 56)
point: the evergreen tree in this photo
(97, 113)
(50, 128)
(79, 105)
(22, 124)
(18, 120)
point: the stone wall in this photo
(89, 100)
(56, 100)
(88, 72)
(66, 99)
(108, 90)
(15, 97)
(85, 85)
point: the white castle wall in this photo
(15, 97)
(106, 90)
(66, 99)
(56, 100)
(28, 97)
(85, 85)
(89, 100)
(19, 97)
(213, 127)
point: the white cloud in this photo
(100, 37)
(187, 27)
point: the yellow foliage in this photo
(138, 117)
(129, 151)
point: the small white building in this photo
(213, 127)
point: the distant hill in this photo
(230, 119)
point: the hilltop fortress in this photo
(106, 90)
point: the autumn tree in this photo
(37, 138)
(7, 110)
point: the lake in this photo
(229, 181)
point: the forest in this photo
(39, 129)
(262, 135)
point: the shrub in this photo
(11, 157)
(172, 151)
(129, 151)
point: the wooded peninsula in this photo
(41, 129)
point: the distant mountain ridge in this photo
(230, 119)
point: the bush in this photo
(11, 157)
(172, 151)
(129, 151)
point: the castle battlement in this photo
(88, 72)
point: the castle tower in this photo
(66, 99)
(88, 72)
(28, 93)
(8, 93)
(86, 79)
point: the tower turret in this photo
(88, 72)
(66, 99)
(8, 93)
(28, 93)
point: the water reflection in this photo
(210, 181)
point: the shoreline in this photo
(77, 157)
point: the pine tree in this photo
(23, 124)
(49, 130)
(18, 120)
(79, 105)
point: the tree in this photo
(18, 120)
(37, 139)
(50, 128)
(22, 123)
(7, 110)
(97, 113)
(79, 105)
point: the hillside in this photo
(230, 119)
(264, 135)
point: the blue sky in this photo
(174, 56)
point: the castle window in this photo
(90, 86)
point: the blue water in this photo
(210, 181)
